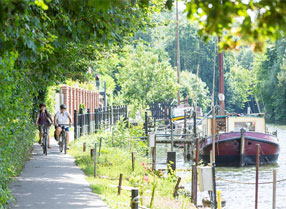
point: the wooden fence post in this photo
(175, 193)
(134, 199)
(120, 183)
(84, 147)
(95, 160)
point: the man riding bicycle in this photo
(62, 118)
(44, 118)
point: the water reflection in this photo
(242, 196)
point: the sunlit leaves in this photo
(253, 22)
(41, 3)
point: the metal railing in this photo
(90, 122)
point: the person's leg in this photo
(40, 134)
(58, 131)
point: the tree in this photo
(43, 43)
(145, 77)
(270, 72)
(197, 90)
(240, 85)
(236, 21)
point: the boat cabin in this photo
(233, 123)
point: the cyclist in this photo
(44, 118)
(62, 117)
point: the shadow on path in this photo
(53, 181)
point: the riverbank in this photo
(115, 159)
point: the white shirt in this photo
(62, 118)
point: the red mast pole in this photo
(221, 84)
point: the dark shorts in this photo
(41, 128)
(66, 128)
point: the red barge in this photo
(236, 139)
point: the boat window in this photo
(248, 126)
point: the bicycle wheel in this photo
(45, 145)
(65, 144)
(61, 143)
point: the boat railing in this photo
(207, 115)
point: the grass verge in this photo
(114, 161)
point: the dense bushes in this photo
(16, 130)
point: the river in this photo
(242, 196)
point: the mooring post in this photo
(146, 124)
(133, 161)
(120, 183)
(185, 121)
(197, 151)
(185, 132)
(256, 177)
(175, 193)
(214, 186)
(242, 147)
(134, 198)
(195, 123)
(84, 147)
(194, 185)
(171, 161)
(274, 190)
(95, 159)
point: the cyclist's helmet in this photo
(63, 106)
(42, 105)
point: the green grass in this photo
(116, 160)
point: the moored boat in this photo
(236, 140)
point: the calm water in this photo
(242, 196)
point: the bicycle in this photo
(45, 139)
(63, 138)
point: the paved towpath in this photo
(53, 181)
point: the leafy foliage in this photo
(145, 77)
(252, 22)
(270, 71)
(240, 83)
(193, 86)
(16, 130)
(43, 43)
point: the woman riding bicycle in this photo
(62, 117)
(44, 118)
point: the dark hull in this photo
(228, 149)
